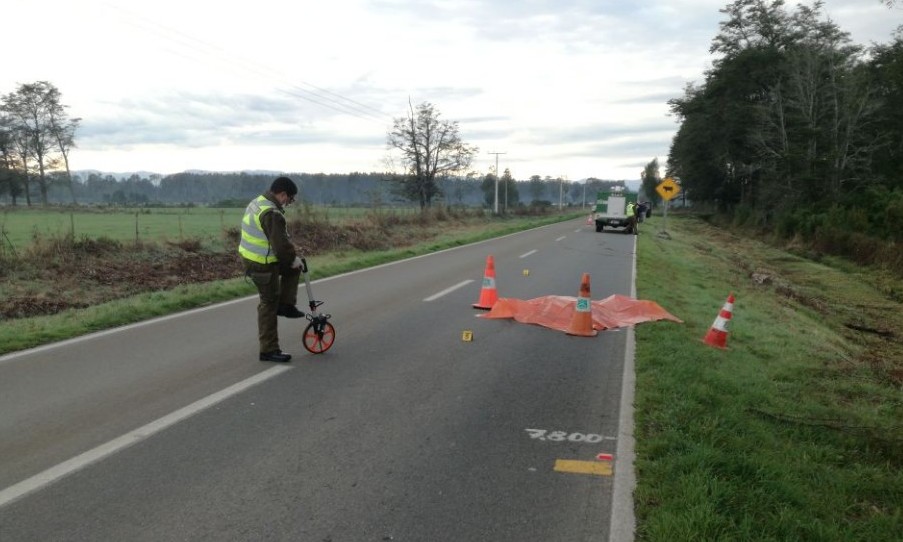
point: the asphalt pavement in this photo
(422, 423)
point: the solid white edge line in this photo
(622, 525)
(448, 290)
(94, 455)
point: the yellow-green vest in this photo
(254, 244)
(631, 208)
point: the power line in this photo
(319, 96)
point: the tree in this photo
(508, 190)
(537, 188)
(63, 130)
(431, 149)
(650, 179)
(792, 119)
(488, 189)
(41, 131)
(887, 74)
(8, 174)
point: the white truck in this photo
(611, 209)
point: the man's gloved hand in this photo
(297, 263)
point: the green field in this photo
(19, 226)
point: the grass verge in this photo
(792, 433)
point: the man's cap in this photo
(284, 184)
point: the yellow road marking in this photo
(599, 468)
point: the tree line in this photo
(341, 189)
(795, 129)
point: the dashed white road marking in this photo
(563, 237)
(448, 290)
(525, 254)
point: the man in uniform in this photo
(631, 217)
(272, 263)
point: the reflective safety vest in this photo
(254, 244)
(631, 209)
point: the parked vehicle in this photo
(611, 208)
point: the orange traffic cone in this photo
(717, 335)
(582, 321)
(488, 295)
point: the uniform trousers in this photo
(277, 285)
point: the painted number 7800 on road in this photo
(564, 436)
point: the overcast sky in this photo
(574, 88)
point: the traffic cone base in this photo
(488, 293)
(717, 334)
(582, 321)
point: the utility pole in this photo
(496, 210)
(506, 194)
(561, 179)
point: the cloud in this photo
(576, 87)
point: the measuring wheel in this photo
(319, 334)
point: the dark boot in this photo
(289, 311)
(277, 356)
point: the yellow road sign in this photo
(667, 189)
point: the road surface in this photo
(422, 423)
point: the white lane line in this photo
(563, 237)
(524, 255)
(67, 467)
(448, 290)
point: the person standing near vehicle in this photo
(272, 263)
(631, 217)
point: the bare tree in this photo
(32, 109)
(20, 157)
(7, 158)
(63, 129)
(431, 149)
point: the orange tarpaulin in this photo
(556, 312)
